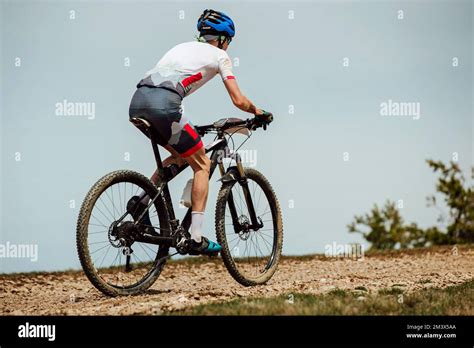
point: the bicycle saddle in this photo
(140, 122)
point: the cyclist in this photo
(180, 72)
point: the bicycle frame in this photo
(220, 150)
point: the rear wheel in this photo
(112, 260)
(250, 255)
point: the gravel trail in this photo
(185, 284)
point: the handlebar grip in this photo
(266, 117)
(262, 120)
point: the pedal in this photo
(183, 246)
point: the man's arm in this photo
(240, 100)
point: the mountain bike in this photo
(121, 255)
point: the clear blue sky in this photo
(285, 60)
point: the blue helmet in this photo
(215, 23)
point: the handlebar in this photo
(264, 119)
(251, 123)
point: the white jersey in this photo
(188, 66)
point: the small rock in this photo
(327, 288)
(156, 311)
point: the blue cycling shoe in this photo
(206, 247)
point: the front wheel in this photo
(251, 255)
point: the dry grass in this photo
(453, 300)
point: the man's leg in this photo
(173, 159)
(201, 165)
(143, 197)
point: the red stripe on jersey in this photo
(191, 79)
(192, 150)
(190, 131)
(230, 77)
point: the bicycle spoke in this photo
(112, 201)
(101, 212)
(246, 245)
(259, 196)
(263, 234)
(146, 246)
(266, 243)
(98, 232)
(251, 243)
(98, 250)
(105, 241)
(239, 202)
(96, 225)
(105, 255)
(120, 197)
(95, 217)
(242, 203)
(266, 212)
(116, 256)
(254, 189)
(140, 261)
(234, 239)
(108, 210)
(258, 245)
(266, 229)
(144, 250)
(125, 195)
(236, 247)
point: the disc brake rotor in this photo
(244, 223)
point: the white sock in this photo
(197, 218)
(144, 198)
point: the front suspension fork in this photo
(242, 180)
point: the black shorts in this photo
(162, 108)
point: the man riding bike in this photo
(180, 72)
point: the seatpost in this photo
(156, 151)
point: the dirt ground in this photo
(183, 284)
